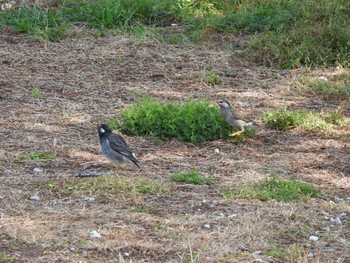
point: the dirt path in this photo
(86, 79)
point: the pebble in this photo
(89, 199)
(258, 252)
(327, 229)
(310, 255)
(35, 198)
(2, 197)
(126, 254)
(216, 150)
(323, 78)
(37, 170)
(94, 234)
(206, 226)
(337, 221)
(232, 216)
(313, 238)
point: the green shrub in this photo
(275, 188)
(192, 177)
(192, 121)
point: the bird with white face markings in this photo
(233, 118)
(115, 148)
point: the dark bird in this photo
(115, 148)
(233, 118)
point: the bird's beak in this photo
(95, 122)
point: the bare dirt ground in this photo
(85, 79)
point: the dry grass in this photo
(85, 79)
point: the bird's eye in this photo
(102, 130)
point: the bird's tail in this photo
(252, 124)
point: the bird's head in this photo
(224, 104)
(103, 129)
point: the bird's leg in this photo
(236, 133)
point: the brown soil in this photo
(85, 79)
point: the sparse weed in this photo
(192, 177)
(213, 78)
(113, 123)
(106, 187)
(276, 251)
(36, 93)
(275, 188)
(38, 156)
(284, 120)
(5, 258)
(290, 254)
(192, 121)
(336, 87)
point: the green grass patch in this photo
(191, 177)
(37, 156)
(274, 188)
(191, 121)
(335, 87)
(213, 78)
(284, 120)
(36, 93)
(106, 187)
(286, 34)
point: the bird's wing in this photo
(236, 115)
(118, 144)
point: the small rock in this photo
(2, 197)
(35, 198)
(37, 170)
(331, 202)
(337, 221)
(258, 252)
(204, 201)
(326, 218)
(126, 254)
(310, 255)
(327, 229)
(206, 226)
(313, 238)
(89, 199)
(332, 220)
(323, 78)
(73, 248)
(232, 216)
(216, 150)
(220, 214)
(94, 234)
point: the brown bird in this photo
(235, 119)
